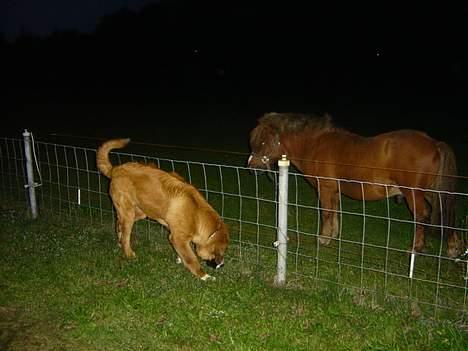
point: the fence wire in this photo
(370, 255)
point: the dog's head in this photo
(214, 248)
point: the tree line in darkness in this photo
(221, 47)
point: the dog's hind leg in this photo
(188, 257)
(125, 220)
(139, 214)
(125, 225)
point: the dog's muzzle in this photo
(214, 264)
(219, 265)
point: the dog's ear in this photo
(218, 227)
(212, 235)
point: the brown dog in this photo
(139, 191)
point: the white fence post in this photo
(30, 174)
(281, 242)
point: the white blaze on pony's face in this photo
(266, 148)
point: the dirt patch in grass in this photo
(18, 332)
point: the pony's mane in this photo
(295, 122)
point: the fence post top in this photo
(283, 161)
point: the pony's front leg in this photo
(454, 244)
(329, 214)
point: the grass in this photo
(65, 286)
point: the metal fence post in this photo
(30, 174)
(281, 242)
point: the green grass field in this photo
(65, 286)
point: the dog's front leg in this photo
(188, 258)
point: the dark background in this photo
(201, 72)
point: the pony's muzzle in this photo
(265, 160)
(254, 167)
(249, 160)
(258, 162)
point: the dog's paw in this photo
(207, 277)
(130, 254)
(178, 260)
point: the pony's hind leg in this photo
(418, 207)
(442, 223)
(329, 215)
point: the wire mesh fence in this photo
(370, 255)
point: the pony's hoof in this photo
(324, 241)
(453, 252)
(415, 251)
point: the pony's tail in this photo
(102, 155)
(443, 203)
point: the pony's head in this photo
(265, 139)
(265, 146)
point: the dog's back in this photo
(145, 180)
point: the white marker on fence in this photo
(411, 267)
(79, 196)
(282, 231)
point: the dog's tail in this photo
(102, 155)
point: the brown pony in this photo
(408, 161)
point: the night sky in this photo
(403, 65)
(46, 16)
